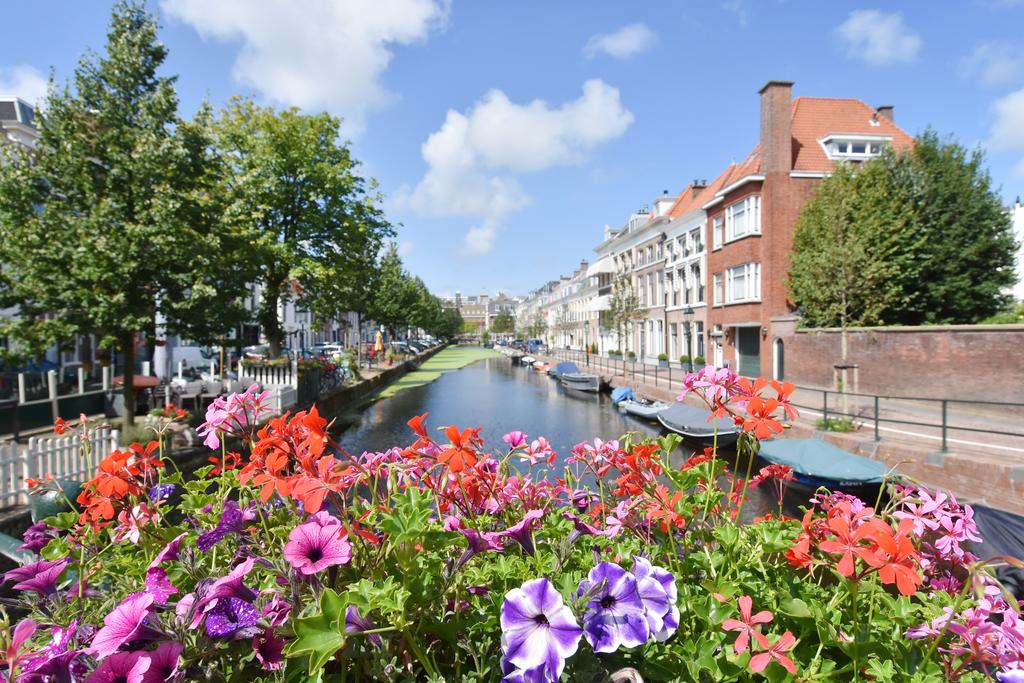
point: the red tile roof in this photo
(816, 117)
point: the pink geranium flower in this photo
(311, 547)
(121, 626)
(747, 625)
(784, 644)
(515, 439)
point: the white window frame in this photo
(718, 290)
(717, 231)
(750, 207)
(841, 146)
(751, 274)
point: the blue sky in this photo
(505, 135)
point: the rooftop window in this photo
(853, 147)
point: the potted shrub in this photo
(632, 356)
(698, 362)
(615, 354)
(684, 360)
(662, 360)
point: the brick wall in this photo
(980, 362)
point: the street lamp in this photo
(687, 319)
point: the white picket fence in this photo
(281, 380)
(61, 456)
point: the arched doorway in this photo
(779, 360)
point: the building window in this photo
(661, 287)
(698, 243)
(716, 232)
(650, 289)
(660, 252)
(743, 218)
(743, 283)
(698, 282)
(650, 254)
(700, 338)
(718, 288)
(856, 148)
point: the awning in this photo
(602, 267)
(600, 303)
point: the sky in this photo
(506, 135)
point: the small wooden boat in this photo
(693, 423)
(817, 463)
(527, 360)
(541, 366)
(581, 381)
(561, 368)
(643, 408)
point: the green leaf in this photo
(321, 635)
(796, 608)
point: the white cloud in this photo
(878, 38)
(471, 159)
(1018, 169)
(1008, 122)
(739, 9)
(323, 55)
(994, 63)
(23, 81)
(405, 248)
(630, 40)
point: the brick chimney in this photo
(886, 111)
(776, 126)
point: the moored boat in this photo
(694, 423)
(643, 408)
(561, 368)
(816, 463)
(541, 366)
(581, 381)
(527, 360)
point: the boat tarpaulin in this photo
(693, 421)
(819, 458)
(564, 369)
(622, 394)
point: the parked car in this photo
(328, 349)
(534, 345)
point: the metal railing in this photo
(875, 410)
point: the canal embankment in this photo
(984, 469)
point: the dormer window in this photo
(854, 146)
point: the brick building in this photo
(750, 218)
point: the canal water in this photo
(501, 397)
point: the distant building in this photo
(479, 310)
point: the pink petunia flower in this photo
(124, 667)
(121, 625)
(311, 548)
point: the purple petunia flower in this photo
(277, 610)
(1010, 676)
(232, 521)
(522, 531)
(169, 552)
(232, 618)
(269, 649)
(657, 588)
(163, 663)
(122, 625)
(510, 674)
(312, 547)
(38, 577)
(161, 492)
(124, 667)
(615, 612)
(37, 536)
(538, 629)
(158, 585)
(355, 623)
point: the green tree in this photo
(452, 324)
(503, 323)
(316, 227)
(396, 293)
(112, 221)
(918, 237)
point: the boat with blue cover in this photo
(818, 464)
(698, 425)
(562, 368)
(629, 403)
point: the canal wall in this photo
(991, 479)
(974, 362)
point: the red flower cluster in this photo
(850, 536)
(290, 457)
(122, 476)
(638, 469)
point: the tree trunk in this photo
(270, 320)
(128, 389)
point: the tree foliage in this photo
(918, 237)
(113, 219)
(624, 308)
(503, 323)
(314, 221)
